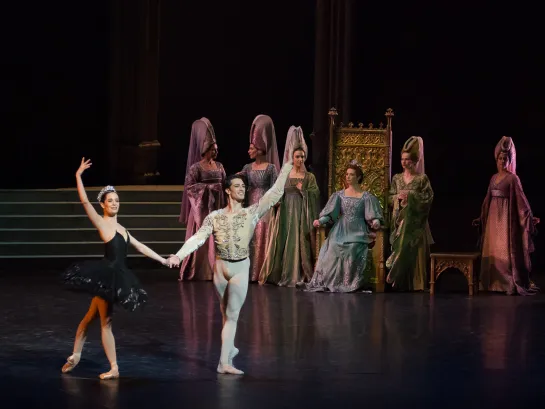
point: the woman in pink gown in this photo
(261, 175)
(203, 193)
(507, 225)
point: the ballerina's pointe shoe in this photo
(71, 362)
(112, 374)
(229, 369)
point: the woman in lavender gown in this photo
(203, 193)
(343, 256)
(261, 175)
(507, 225)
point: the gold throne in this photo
(372, 147)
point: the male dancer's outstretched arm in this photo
(275, 193)
(193, 243)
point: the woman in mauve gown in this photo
(203, 193)
(507, 226)
(261, 175)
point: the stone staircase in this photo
(51, 224)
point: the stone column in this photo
(134, 84)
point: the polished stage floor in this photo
(298, 350)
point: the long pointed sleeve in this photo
(204, 197)
(424, 194)
(275, 193)
(332, 210)
(274, 175)
(198, 239)
(245, 170)
(522, 214)
(392, 193)
(373, 211)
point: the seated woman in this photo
(508, 225)
(343, 256)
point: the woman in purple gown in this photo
(507, 225)
(203, 193)
(261, 175)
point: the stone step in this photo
(51, 224)
(82, 249)
(82, 221)
(70, 195)
(76, 208)
(141, 265)
(87, 234)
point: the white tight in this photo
(231, 281)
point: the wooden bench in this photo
(464, 262)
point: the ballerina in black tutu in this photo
(109, 279)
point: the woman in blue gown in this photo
(343, 256)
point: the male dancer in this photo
(232, 228)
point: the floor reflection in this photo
(198, 309)
(80, 390)
(307, 349)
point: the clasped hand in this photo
(173, 261)
(403, 195)
(375, 224)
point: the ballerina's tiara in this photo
(355, 162)
(106, 189)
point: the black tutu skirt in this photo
(113, 282)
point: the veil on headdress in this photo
(507, 146)
(263, 137)
(294, 139)
(209, 136)
(202, 138)
(415, 146)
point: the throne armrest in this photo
(321, 235)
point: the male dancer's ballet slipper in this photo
(112, 374)
(71, 363)
(223, 368)
(232, 355)
(229, 369)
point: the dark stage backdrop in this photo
(230, 61)
(55, 92)
(459, 78)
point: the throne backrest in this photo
(372, 148)
(368, 145)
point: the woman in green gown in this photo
(410, 197)
(291, 251)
